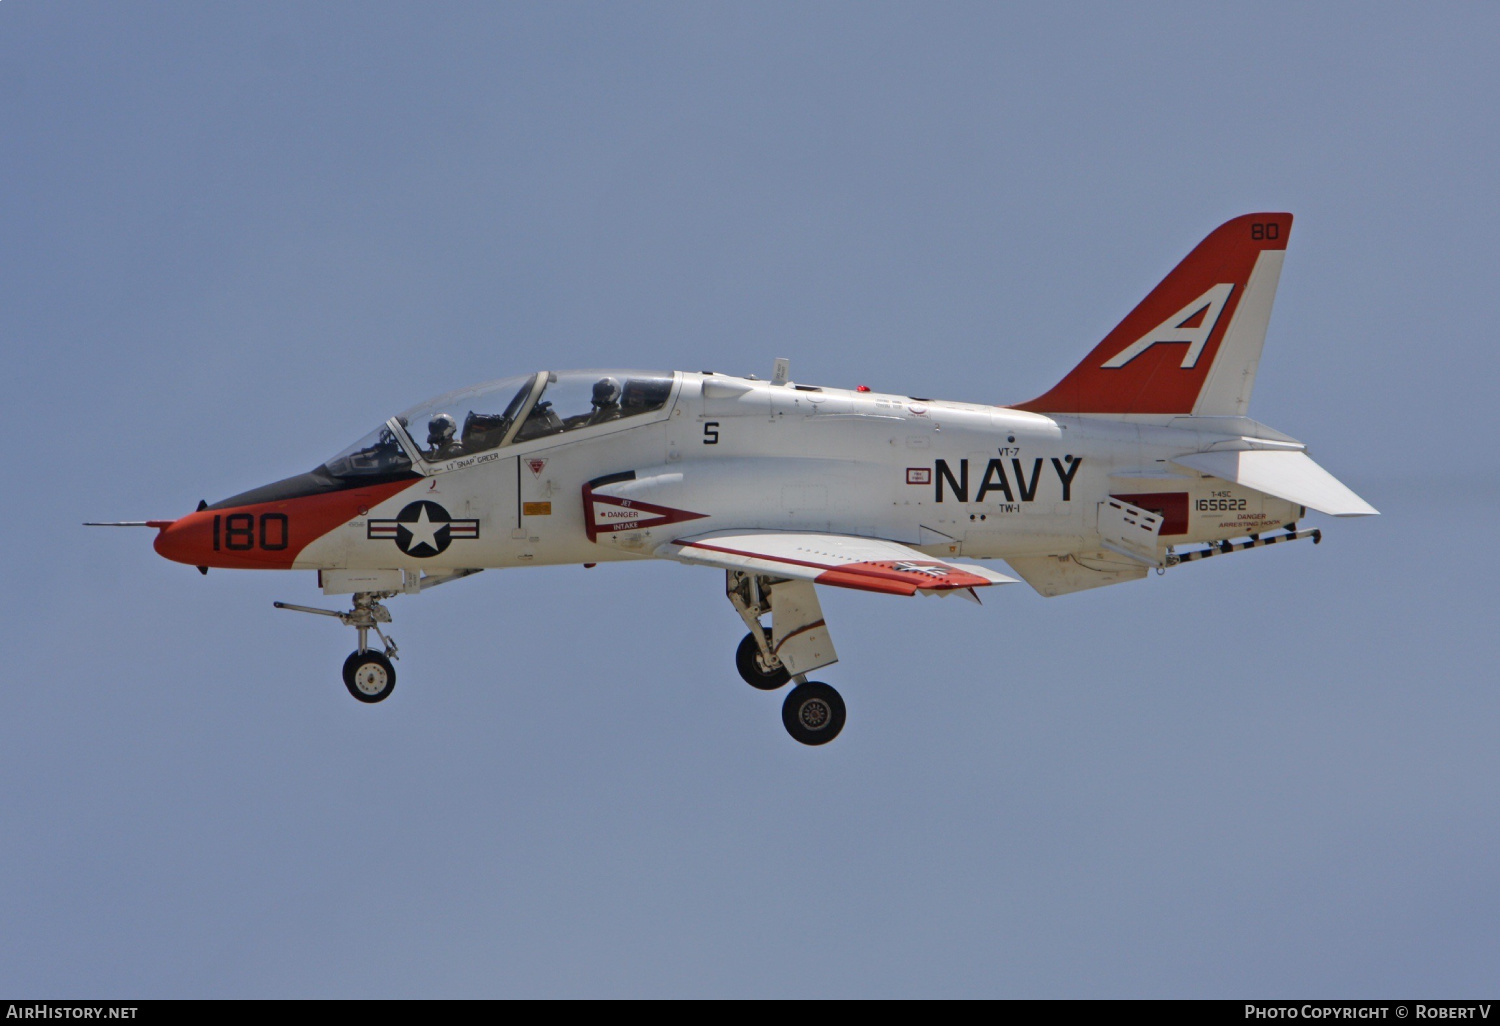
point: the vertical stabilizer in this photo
(1193, 345)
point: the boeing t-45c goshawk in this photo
(1141, 458)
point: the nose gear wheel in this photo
(369, 676)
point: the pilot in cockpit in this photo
(606, 401)
(442, 444)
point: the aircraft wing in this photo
(868, 564)
(1286, 474)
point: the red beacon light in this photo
(862, 388)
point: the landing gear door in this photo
(799, 637)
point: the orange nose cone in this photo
(187, 540)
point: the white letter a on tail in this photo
(1203, 312)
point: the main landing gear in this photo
(756, 663)
(368, 674)
(813, 712)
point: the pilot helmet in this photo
(440, 429)
(606, 392)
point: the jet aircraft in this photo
(1142, 458)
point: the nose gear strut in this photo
(367, 615)
(368, 674)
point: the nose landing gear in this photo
(368, 674)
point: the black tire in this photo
(813, 713)
(747, 660)
(369, 676)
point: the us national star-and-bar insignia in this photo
(422, 529)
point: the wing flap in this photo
(1064, 574)
(843, 561)
(1286, 474)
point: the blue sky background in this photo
(235, 237)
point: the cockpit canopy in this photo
(509, 411)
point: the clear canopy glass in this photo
(580, 399)
(482, 417)
(469, 420)
(377, 455)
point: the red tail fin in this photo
(1192, 345)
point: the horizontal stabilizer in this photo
(1286, 474)
(845, 561)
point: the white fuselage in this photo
(947, 478)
